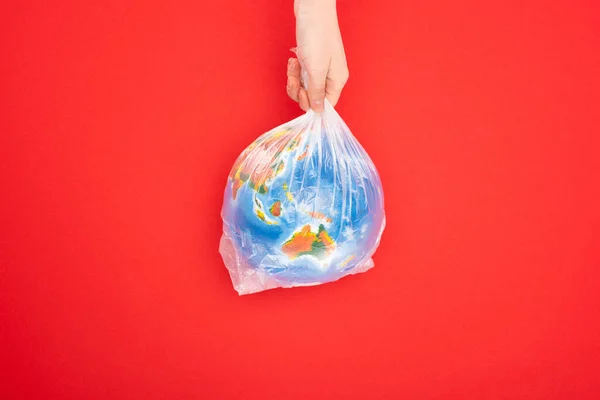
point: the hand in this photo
(321, 52)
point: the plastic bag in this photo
(303, 206)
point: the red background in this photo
(120, 121)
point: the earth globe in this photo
(303, 205)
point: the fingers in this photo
(320, 85)
(294, 88)
(303, 100)
(293, 68)
(293, 79)
(297, 93)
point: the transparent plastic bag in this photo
(303, 206)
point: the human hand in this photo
(320, 52)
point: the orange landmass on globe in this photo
(321, 216)
(276, 209)
(304, 154)
(306, 242)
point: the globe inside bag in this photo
(303, 206)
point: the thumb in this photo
(316, 90)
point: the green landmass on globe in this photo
(306, 242)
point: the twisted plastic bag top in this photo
(303, 206)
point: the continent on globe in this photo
(306, 242)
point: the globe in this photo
(303, 205)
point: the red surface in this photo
(119, 122)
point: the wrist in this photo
(302, 5)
